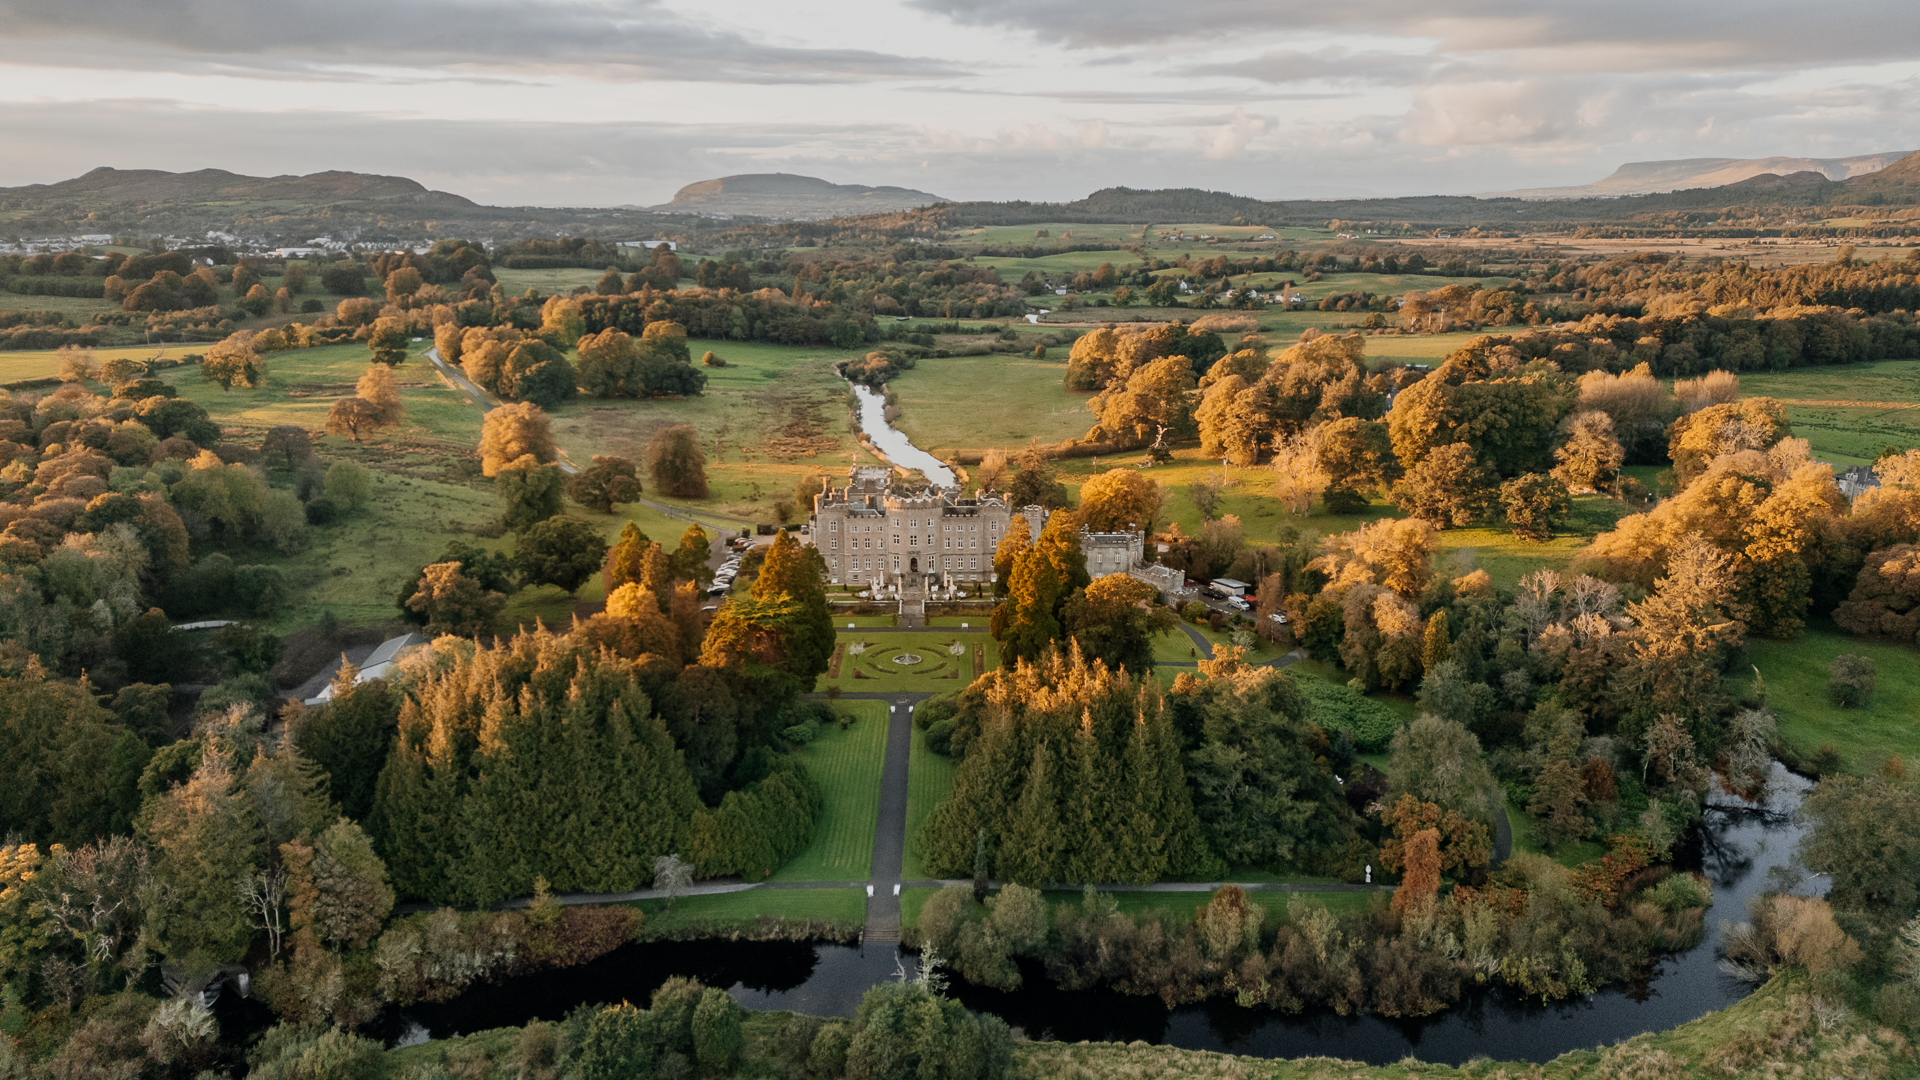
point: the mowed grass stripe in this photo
(846, 767)
(929, 781)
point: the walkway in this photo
(890, 833)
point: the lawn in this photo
(772, 417)
(938, 670)
(998, 400)
(1795, 674)
(929, 781)
(1064, 265)
(1427, 349)
(741, 909)
(845, 766)
(561, 279)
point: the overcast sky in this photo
(564, 103)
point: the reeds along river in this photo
(1736, 846)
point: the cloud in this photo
(1331, 64)
(637, 41)
(1232, 137)
(1632, 35)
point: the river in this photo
(1736, 846)
(893, 442)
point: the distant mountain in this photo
(109, 187)
(785, 195)
(1660, 177)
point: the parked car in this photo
(1239, 603)
(1279, 617)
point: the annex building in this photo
(874, 532)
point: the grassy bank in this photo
(742, 911)
(1795, 677)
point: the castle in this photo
(874, 533)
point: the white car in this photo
(1279, 617)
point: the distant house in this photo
(388, 654)
(1111, 552)
(1856, 481)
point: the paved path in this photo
(890, 833)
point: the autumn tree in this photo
(512, 432)
(1420, 882)
(453, 603)
(1590, 456)
(1535, 505)
(679, 468)
(624, 559)
(1396, 554)
(609, 480)
(378, 388)
(1446, 487)
(74, 364)
(1119, 500)
(606, 364)
(289, 442)
(1114, 620)
(352, 417)
(387, 341)
(234, 362)
(1298, 475)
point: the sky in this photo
(562, 103)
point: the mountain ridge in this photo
(790, 195)
(1665, 177)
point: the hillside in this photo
(1660, 177)
(785, 195)
(287, 209)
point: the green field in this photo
(1427, 349)
(1795, 675)
(302, 384)
(80, 308)
(847, 907)
(845, 766)
(929, 781)
(977, 402)
(1889, 413)
(938, 670)
(44, 363)
(562, 280)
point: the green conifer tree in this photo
(1027, 854)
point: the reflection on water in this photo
(893, 442)
(1736, 845)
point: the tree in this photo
(792, 572)
(1439, 761)
(679, 468)
(340, 885)
(1885, 601)
(1297, 474)
(531, 493)
(1119, 500)
(1850, 680)
(1535, 505)
(512, 432)
(1356, 458)
(606, 364)
(716, 1032)
(349, 485)
(625, 558)
(377, 387)
(1114, 620)
(609, 480)
(289, 442)
(1590, 457)
(75, 364)
(351, 416)
(689, 560)
(55, 744)
(1864, 833)
(561, 322)
(206, 837)
(1420, 883)
(453, 603)
(233, 361)
(560, 551)
(1446, 487)
(387, 341)
(1396, 554)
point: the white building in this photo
(378, 664)
(1112, 552)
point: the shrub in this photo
(716, 1032)
(1342, 708)
(1850, 680)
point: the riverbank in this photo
(1780, 1026)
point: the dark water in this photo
(1735, 847)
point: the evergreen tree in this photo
(796, 571)
(690, 558)
(1028, 851)
(624, 558)
(349, 738)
